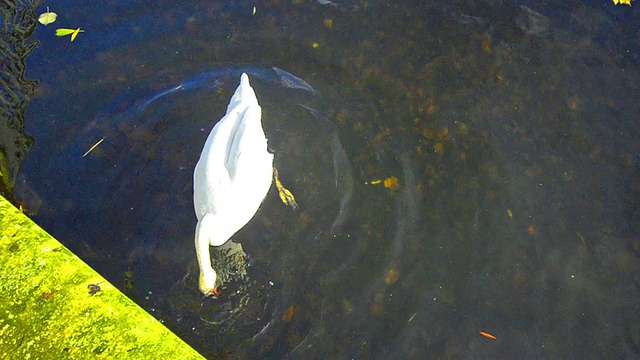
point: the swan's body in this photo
(232, 177)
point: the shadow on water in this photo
(458, 168)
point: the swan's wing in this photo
(247, 146)
(210, 181)
(250, 167)
(219, 148)
(210, 168)
(248, 149)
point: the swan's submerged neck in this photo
(205, 230)
(207, 280)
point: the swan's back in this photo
(234, 171)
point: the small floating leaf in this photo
(442, 134)
(47, 18)
(391, 183)
(288, 314)
(487, 335)
(93, 147)
(64, 32)
(72, 32)
(75, 33)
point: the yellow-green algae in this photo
(47, 309)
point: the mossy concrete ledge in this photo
(54, 306)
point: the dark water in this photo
(512, 133)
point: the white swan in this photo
(231, 179)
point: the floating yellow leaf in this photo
(412, 316)
(625, 2)
(47, 18)
(328, 23)
(72, 32)
(75, 33)
(93, 147)
(509, 213)
(391, 183)
(64, 32)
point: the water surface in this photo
(515, 210)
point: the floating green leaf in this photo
(65, 32)
(47, 18)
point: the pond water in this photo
(460, 167)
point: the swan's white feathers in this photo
(231, 178)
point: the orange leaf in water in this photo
(486, 44)
(487, 335)
(288, 315)
(391, 183)
(443, 133)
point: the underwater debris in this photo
(532, 22)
